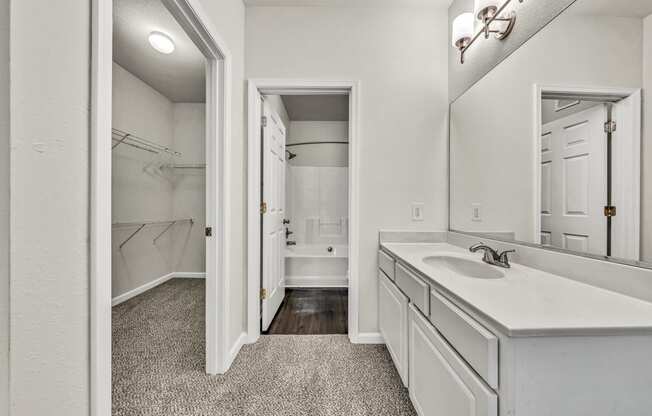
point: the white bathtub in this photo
(317, 250)
(314, 265)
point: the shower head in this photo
(291, 155)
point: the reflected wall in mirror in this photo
(534, 155)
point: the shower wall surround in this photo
(318, 204)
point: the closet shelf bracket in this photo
(141, 225)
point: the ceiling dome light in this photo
(161, 42)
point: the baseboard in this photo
(156, 282)
(316, 281)
(235, 349)
(189, 275)
(368, 338)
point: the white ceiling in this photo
(317, 107)
(180, 75)
(350, 3)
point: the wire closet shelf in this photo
(119, 137)
(143, 224)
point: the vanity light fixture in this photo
(494, 19)
(161, 42)
(463, 31)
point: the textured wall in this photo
(141, 191)
(646, 197)
(189, 188)
(144, 190)
(50, 60)
(4, 207)
(396, 53)
(532, 15)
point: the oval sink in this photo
(465, 267)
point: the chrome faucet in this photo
(291, 243)
(491, 256)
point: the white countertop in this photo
(529, 302)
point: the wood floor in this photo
(312, 311)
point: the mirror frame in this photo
(538, 89)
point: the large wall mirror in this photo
(550, 147)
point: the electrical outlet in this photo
(476, 212)
(417, 211)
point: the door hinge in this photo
(609, 211)
(610, 127)
(263, 293)
(263, 207)
(263, 121)
(209, 231)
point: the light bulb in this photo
(161, 42)
(485, 8)
(462, 30)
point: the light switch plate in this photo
(476, 212)
(417, 211)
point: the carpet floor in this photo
(158, 367)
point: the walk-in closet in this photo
(158, 195)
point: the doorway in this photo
(106, 138)
(588, 178)
(302, 257)
(304, 276)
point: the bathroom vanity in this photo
(468, 338)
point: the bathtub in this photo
(314, 265)
(317, 250)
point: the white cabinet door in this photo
(393, 322)
(441, 383)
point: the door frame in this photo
(609, 93)
(196, 23)
(256, 87)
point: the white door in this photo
(273, 238)
(574, 182)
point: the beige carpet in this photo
(158, 367)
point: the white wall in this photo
(189, 188)
(4, 207)
(228, 17)
(144, 189)
(396, 54)
(321, 154)
(646, 197)
(50, 167)
(141, 191)
(49, 345)
(492, 160)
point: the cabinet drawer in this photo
(415, 288)
(441, 383)
(393, 323)
(477, 345)
(386, 264)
